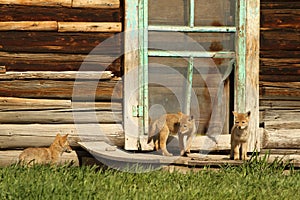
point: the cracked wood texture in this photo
(280, 73)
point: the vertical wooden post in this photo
(247, 65)
(131, 63)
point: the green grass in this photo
(253, 180)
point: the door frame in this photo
(246, 72)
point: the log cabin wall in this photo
(42, 45)
(280, 73)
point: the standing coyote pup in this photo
(45, 155)
(180, 124)
(239, 136)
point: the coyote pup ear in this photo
(191, 117)
(234, 113)
(58, 135)
(248, 113)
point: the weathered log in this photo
(281, 138)
(278, 53)
(280, 40)
(280, 18)
(265, 104)
(96, 3)
(10, 103)
(81, 90)
(34, 135)
(53, 42)
(89, 26)
(281, 116)
(56, 57)
(271, 4)
(17, 104)
(38, 13)
(280, 90)
(60, 116)
(279, 78)
(67, 3)
(48, 65)
(64, 75)
(283, 66)
(60, 62)
(29, 26)
(280, 123)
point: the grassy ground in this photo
(252, 180)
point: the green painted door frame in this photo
(246, 71)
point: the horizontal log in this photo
(281, 138)
(56, 57)
(281, 116)
(271, 4)
(67, 14)
(282, 124)
(89, 27)
(283, 66)
(68, 3)
(280, 90)
(95, 3)
(280, 18)
(61, 26)
(280, 40)
(10, 103)
(37, 135)
(28, 26)
(48, 65)
(279, 78)
(63, 75)
(10, 157)
(83, 90)
(60, 116)
(278, 104)
(278, 53)
(19, 104)
(221, 142)
(53, 42)
(55, 3)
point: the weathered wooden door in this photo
(179, 57)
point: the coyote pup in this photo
(239, 136)
(180, 124)
(45, 155)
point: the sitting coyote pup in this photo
(49, 155)
(180, 124)
(239, 136)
